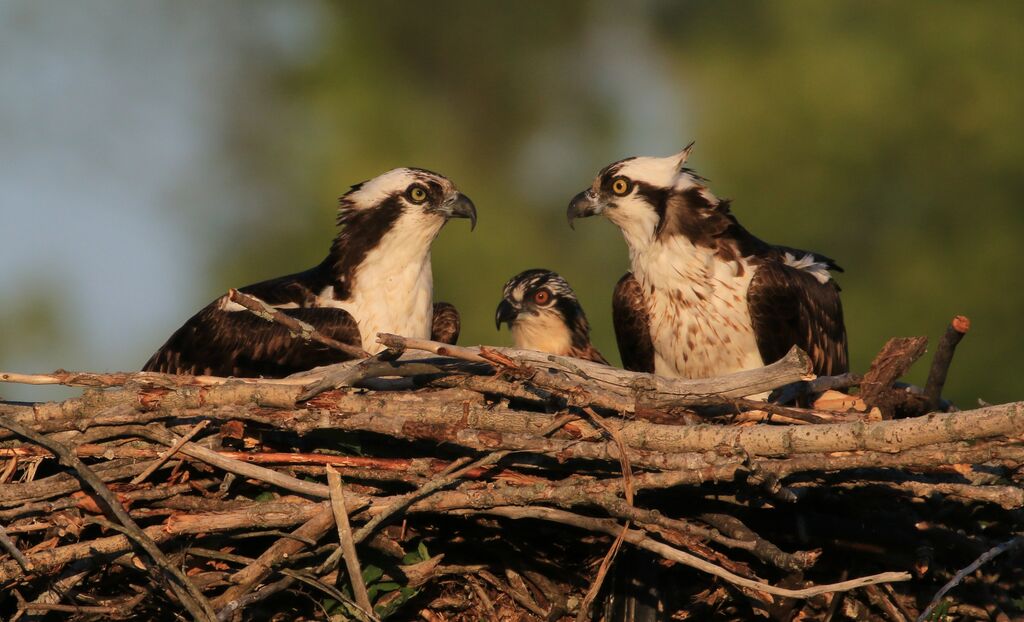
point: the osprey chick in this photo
(544, 315)
(705, 297)
(376, 278)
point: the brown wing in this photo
(446, 323)
(632, 325)
(237, 343)
(788, 307)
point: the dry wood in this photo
(638, 539)
(496, 434)
(943, 358)
(963, 572)
(555, 372)
(165, 456)
(190, 597)
(297, 328)
(348, 545)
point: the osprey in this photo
(544, 315)
(376, 278)
(705, 297)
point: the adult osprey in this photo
(376, 278)
(706, 297)
(544, 315)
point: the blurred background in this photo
(154, 154)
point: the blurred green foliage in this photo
(887, 135)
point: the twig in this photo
(238, 467)
(399, 343)
(165, 456)
(12, 548)
(942, 359)
(250, 576)
(190, 597)
(636, 538)
(348, 547)
(651, 389)
(296, 327)
(959, 576)
(377, 366)
(628, 492)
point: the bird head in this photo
(648, 197)
(396, 216)
(543, 313)
(406, 196)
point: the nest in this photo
(442, 483)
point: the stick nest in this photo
(470, 484)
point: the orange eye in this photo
(621, 186)
(542, 296)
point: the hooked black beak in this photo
(460, 206)
(582, 205)
(506, 313)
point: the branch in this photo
(639, 539)
(942, 359)
(985, 557)
(652, 389)
(348, 546)
(297, 328)
(190, 597)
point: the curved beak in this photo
(582, 205)
(460, 206)
(506, 313)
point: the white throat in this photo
(393, 289)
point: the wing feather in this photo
(632, 325)
(237, 343)
(446, 324)
(791, 307)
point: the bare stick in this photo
(637, 538)
(190, 597)
(298, 328)
(165, 456)
(12, 548)
(398, 342)
(141, 378)
(250, 576)
(959, 576)
(238, 467)
(942, 359)
(348, 546)
(649, 388)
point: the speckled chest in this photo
(697, 303)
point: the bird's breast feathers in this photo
(388, 297)
(699, 317)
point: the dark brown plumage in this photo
(237, 343)
(789, 307)
(725, 299)
(632, 325)
(376, 278)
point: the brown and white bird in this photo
(705, 297)
(376, 278)
(544, 315)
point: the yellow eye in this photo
(621, 186)
(417, 194)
